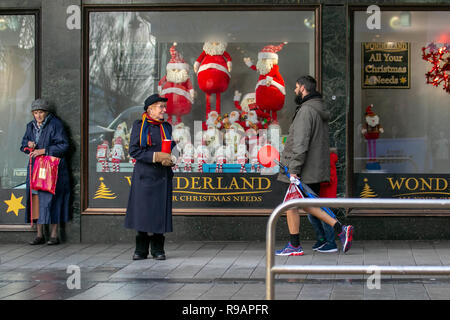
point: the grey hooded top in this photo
(306, 151)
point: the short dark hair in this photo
(309, 83)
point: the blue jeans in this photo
(323, 230)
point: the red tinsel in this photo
(441, 65)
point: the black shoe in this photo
(159, 256)
(138, 257)
(53, 241)
(37, 240)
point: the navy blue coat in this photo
(53, 209)
(150, 200)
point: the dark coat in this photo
(306, 151)
(53, 209)
(150, 201)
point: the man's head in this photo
(304, 86)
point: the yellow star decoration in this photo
(14, 204)
(403, 80)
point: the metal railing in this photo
(272, 269)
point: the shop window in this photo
(17, 91)
(135, 54)
(400, 122)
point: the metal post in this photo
(271, 270)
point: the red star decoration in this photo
(441, 66)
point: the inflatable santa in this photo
(248, 103)
(371, 131)
(270, 91)
(177, 87)
(213, 68)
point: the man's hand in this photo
(161, 156)
(38, 152)
(31, 144)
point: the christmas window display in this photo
(221, 111)
(17, 91)
(401, 105)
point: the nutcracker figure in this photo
(102, 155)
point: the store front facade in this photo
(97, 63)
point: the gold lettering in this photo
(396, 185)
(246, 182)
(178, 186)
(424, 183)
(438, 180)
(415, 181)
(195, 182)
(128, 179)
(207, 183)
(234, 185)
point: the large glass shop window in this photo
(402, 105)
(17, 91)
(209, 66)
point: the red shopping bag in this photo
(293, 192)
(45, 174)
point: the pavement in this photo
(213, 271)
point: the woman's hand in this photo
(38, 152)
(31, 144)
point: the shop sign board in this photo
(402, 186)
(195, 190)
(385, 65)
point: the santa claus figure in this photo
(270, 91)
(213, 68)
(187, 157)
(202, 155)
(213, 139)
(371, 131)
(232, 120)
(253, 159)
(102, 155)
(117, 154)
(242, 156)
(221, 159)
(248, 103)
(213, 119)
(181, 135)
(176, 87)
(122, 132)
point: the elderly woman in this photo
(45, 135)
(150, 201)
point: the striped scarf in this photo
(145, 137)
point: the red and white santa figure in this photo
(187, 157)
(248, 103)
(371, 131)
(232, 120)
(221, 159)
(117, 154)
(177, 87)
(242, 156)
(270, 91)
(253, 158)
(202, 155)
(102, 155)
(213, 68)
(213, 119)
